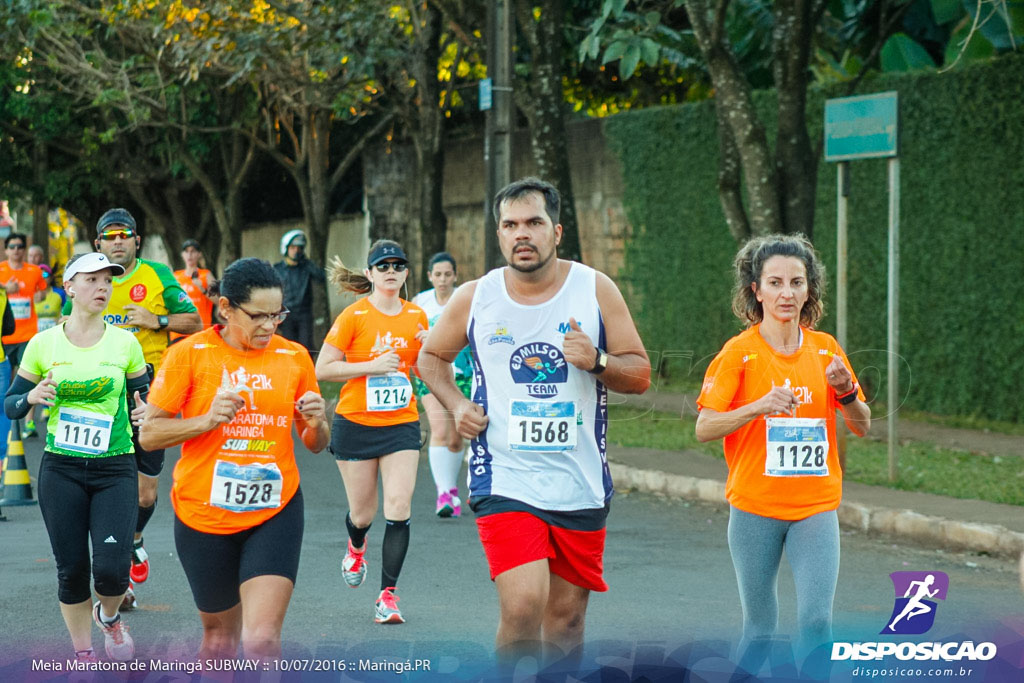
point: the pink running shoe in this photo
(387, 611)
(456, 503)
(445, 505)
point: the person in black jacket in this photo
(5, 370)
(298, 274)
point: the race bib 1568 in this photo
(542, 426)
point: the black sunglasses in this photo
(397, 266)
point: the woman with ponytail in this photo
(371, 347)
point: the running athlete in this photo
(446, 444)
(371, 347)
(148, 302)
(22, 280)
(772, 393)
(237, 502)
(84, 369)
(48, 307)
(197, 282)
(549, 338)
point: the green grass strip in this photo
(924, 467)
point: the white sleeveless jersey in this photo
(428, 302)
(547, 420)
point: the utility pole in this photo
(498, 131)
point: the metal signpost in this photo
(867, 127)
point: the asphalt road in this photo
(672, 590)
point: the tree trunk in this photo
(730, 192)
(545, 109)
(428, 136)
(735, 108)
(40, 207)
(796, 161)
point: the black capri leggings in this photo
(217, 564)
(83, 497)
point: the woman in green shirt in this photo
(85, 370)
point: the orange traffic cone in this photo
(17, 486)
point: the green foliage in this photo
(901, 53)
(962, 246)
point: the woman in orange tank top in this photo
(772, 393)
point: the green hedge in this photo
(961, 237)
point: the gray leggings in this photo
(812, 548)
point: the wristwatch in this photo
(163, 320)
(600, 363)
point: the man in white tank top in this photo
(549, 338)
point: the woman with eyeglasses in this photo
(238, 389)
(371, 347)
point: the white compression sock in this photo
(444, 465)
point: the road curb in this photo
(926, 529)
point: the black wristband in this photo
(849, 397)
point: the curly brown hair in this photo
(749, 263)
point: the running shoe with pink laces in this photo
(116, 640)
(445, 508)
(387, 608)
(456, 503)
(353, 567)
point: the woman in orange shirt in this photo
(772, 393)
(371, 347)
(239, 388)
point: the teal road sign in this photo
(486, 91)
(865, 127)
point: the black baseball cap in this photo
(191, 243)
(384, 252)
(116, 217)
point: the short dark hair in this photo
(442, 257)
(524, 186)
(245, 275)
(15, 236)
(749, 263)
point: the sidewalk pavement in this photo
(922, 518)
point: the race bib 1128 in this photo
(796, 447)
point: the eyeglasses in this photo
(15, 246)
(263, 318)
(120, 233)
(396, 266)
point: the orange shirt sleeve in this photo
(342, 332)
(307, 376)
(721, 381)
(171, 388)
(40, 281)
